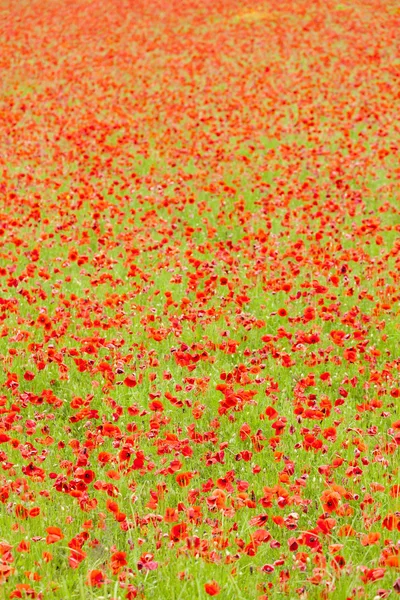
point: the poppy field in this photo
(199, 299)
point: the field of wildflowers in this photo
(199, 299)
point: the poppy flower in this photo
(330, 500)
(309, 314)
(371, 575)
(104, 457)
(370, 538)
(77, 555)
(178, 532)
(23, 546)
(171, 515)
(259, 520)
(23, 590)
(87, 476)
(326, 524)
(96, 578)
(346, 531)
(125, 454)
(395, 491)
(338, 562)
(118, 561)
(147, 563)
(391, 522)
(29, 376)
(268, 568)
(310, 539)
(112, 506)
(393, 560)
(183, 479)
(130, 381)
(54, 534)
(212, 588)
(21, 512)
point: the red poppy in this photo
(87, 476)
(370, 538)
(77, 555)
(54, 534)
(130, 381)
(330, 500)
(23, 590)
(391, 522)
(147, 563)
(118, 561)
(212, 588)
(171, 515)
(370, 575)
(105, 457)
(183, 479)
(338, 562)
(29, 376)
(178, 532)
(395, 491)
(21, 512)
(309, 314)
(346, 531)
(96, 578)
(23, 546)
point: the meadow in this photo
(199, 299)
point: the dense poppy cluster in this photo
(199, 299)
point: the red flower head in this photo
(96, 578)
(212, 588)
